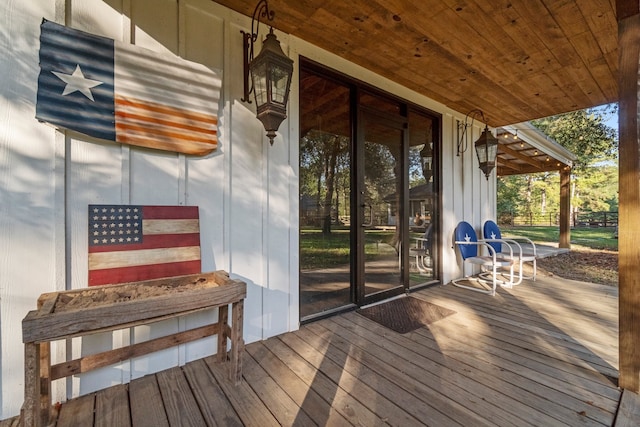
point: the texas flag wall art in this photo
(121, 92)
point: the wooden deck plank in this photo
(112, 407)
(562, 348)
(501, 364)
(306, 361)
(283, 407)
(460, 382)
(544, 353)
(77, 412)
(9, 422)
(514, 330)
(422, 399)
(179, 402)
(308, 399)
(629, 411)
(520, 331)
(213, 404)
(510, 304)
(494, 310)
(512, 384)
(244, 400)
(146, 402)
(557, 371)
(586, 328)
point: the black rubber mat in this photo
(405, 314)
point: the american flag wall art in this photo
(130, 243)
(121, 92)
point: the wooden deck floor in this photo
(543, 354)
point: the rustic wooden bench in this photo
(80, 312)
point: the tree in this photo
(594, 175)
(323, 163)
(585, 133)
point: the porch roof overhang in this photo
(524, 149)
(516, 61)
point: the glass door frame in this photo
(400, 123)
(400, 117)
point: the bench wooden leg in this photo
(37, 397)
(237, 342)
(223, 322)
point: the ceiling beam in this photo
(520, 156)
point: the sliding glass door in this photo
(368, 194)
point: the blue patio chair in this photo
(491, 232)
(492, 267)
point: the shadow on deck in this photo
(544, 353)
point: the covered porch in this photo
(544, 353)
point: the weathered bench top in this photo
(97, 309)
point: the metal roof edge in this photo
(538, 139)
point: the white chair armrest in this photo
(506, 242)
(527, 240)
(492, 251)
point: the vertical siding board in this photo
(294, 191)
(96, 17)
(201, 34)
(246, 195)
(96, 172)
(156, 177)
(155, 25)
(93, 171)
(27, 152)
(277, 228)
(450, 206)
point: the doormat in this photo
(405, 314)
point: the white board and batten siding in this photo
(246, 191)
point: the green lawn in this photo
(590, 237)
(320, 251)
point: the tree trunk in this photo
(333, 148)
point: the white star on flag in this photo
(493, 235)
(77, 82)
(467, 238)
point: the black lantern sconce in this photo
(426, 158)
(486, 146)
(270, 73)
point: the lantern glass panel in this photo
(492, 152)
(481, 151)
(279, 83)
(259, 76)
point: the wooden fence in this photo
(578, 219)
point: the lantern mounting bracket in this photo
(463, 142)
(248, 39)
(486, 146)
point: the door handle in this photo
(366, 223)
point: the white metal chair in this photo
(491, 232)
(492, 266)
(422, 251)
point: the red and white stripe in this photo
(164, 102)
(170, 247)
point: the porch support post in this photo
(565, 208)
(628, 13)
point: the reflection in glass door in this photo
(381, 193)
(325, 196)
(369, 202)
(422, 216)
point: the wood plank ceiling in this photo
(516, 60)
